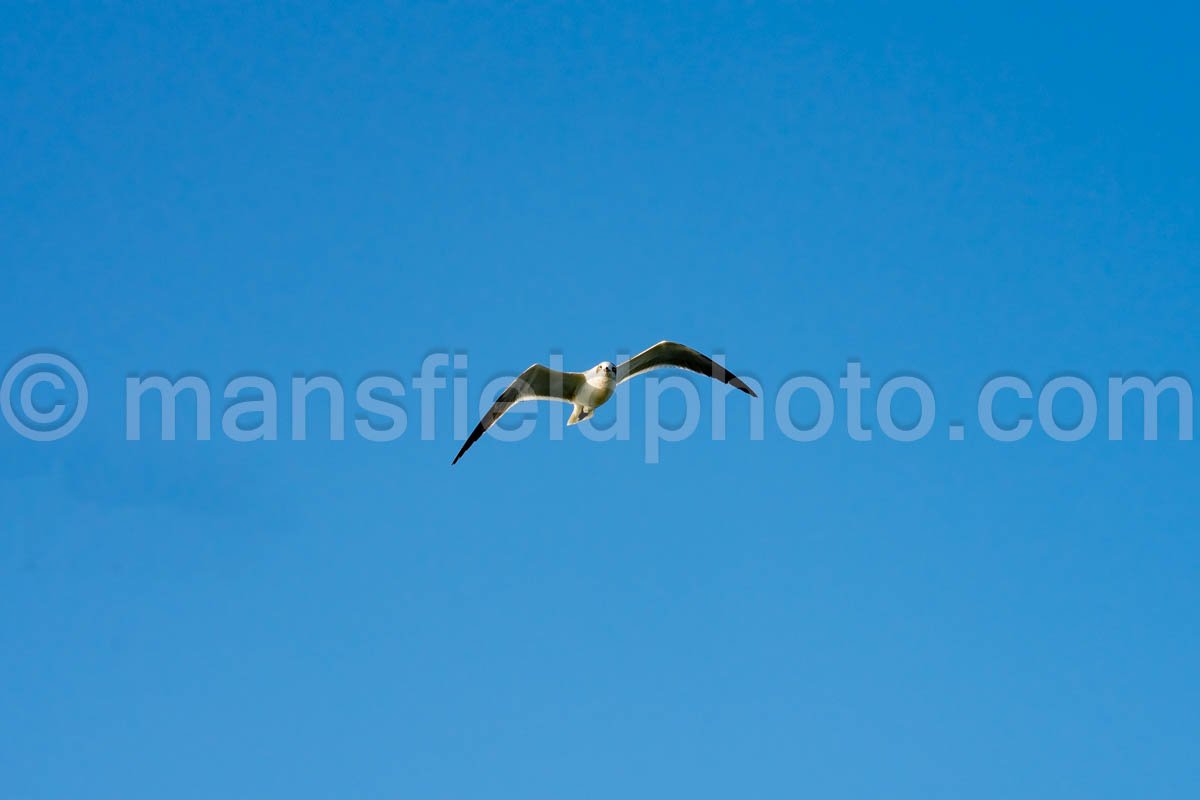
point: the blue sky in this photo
(342, 189)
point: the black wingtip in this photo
(738, 383)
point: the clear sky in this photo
(343, 189)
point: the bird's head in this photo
(606, 368)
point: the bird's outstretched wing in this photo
(536, 383)
(673, 354)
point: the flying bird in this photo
(587, 391)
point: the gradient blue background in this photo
(342, 189)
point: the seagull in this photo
(587, 391)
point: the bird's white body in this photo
(598, 385)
